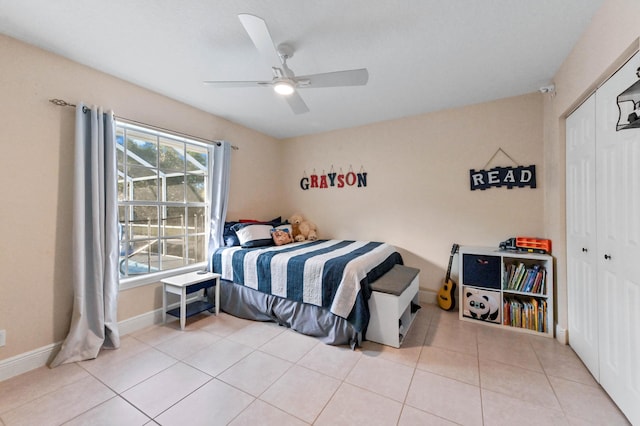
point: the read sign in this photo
(520, 176)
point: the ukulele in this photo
(447, 294)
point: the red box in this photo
(533, 245)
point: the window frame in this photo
(161, 204)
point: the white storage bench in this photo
(390, 305)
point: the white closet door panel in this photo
(618, 220)
(581, 235)
(583, 312)
(629, 271)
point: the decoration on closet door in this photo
(333, 179)
(519, 176)
(629, 106)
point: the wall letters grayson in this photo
(503, 176)
(334, 180)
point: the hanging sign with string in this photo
(519, 176)
(333, 179)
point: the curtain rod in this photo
(60, 102)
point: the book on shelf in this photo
(519, 277)
(529, 313)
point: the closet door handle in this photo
(607, 257)
(584, 249)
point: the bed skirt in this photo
(245, 302)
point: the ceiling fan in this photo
(284, 81)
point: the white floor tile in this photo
(187, 343)
(255, 373)
(61, 405)
(21, 389)
(290, 345)
(256, 334)
(263, 414)
(383, 377)
(215, 403)
(412, 416)
(161, 391)
(522, 383)
(334, 361)
(587, 402)
(452, 364)
(499, 409)
(224, 324)
(352, 405)
(135, 369)
(445, 398)
(113, 412)
(301, 392)
(216, 358)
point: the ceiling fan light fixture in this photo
(283, 87)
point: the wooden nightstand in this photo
(185, 284)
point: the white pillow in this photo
(255, 235)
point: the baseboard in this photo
(40, 357)
(561, 335)
(427, 296)
(27, 361)
(145, 320)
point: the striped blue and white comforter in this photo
(334, 274)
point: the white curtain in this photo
(95, 239)
(219, 177)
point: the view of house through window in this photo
(163, 202)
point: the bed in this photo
(319, 288)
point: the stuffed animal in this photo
(302, 230)
(295, 220)
(308, 230)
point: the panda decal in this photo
(481, 305)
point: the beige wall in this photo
(607, 41)
(418, 196)
(36, 174)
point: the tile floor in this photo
(224, 370)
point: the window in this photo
(163, 201)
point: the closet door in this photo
(618, 225)
(582, 292)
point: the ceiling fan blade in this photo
(296, 103)
(357, 77)
(259, 34)
(225, 84)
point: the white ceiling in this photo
(422, 55)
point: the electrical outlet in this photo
(3, 337)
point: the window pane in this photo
(142, 258)
(197, 249)
(122, 213)
(175, 188)
(171, 157)
(195, 220)
(144, 189)
(174, 223)
(196, 188)
(121, 189)
(144, 223)
(197, 157)
(142, 149)
(173, 253)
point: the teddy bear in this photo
(308, 230)
(302, 230)
(295, 220)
